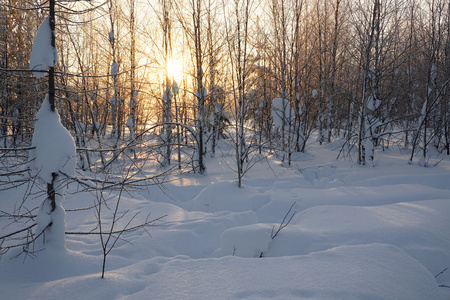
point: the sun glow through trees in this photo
(174, 69)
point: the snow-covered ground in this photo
(359, 232)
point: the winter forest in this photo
(215, 149)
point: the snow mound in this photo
(245, 241)
(374, 271)
(226, 196)
(418, 228)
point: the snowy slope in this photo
(358, 233)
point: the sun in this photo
(174, 68)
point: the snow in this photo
(111, 36)
(54, 152)
(43, 55)
(53, 237)
(278, 105)
(203, 93)
(424, 110)
(167, 94)
(114, 68)
(357, 233)
(55, 148)
(373, 103)
(230, 278)
(130, 122)
(434, 72)
(113, 100)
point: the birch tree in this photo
(166, 27)
(193, 27)
(365, 143)
(238, 43)
(435, 89)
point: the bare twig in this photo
(17, 232)
(283, 223)
(440, 273)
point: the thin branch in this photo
(17, 232)
(283, 223)
(131, 229)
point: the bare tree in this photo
(430, 122)
(193, 27)
(238, 40)
(166, 26)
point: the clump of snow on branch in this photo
(114, 69)
(51, 222)
(54, 146)
(278, 106)
(130, 122)
(433, 73)
(199, 95)
(43, 54)
(167, 95)
(113, 100)
(373, 102)
(111, 36)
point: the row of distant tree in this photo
(360, 70)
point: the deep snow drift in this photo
(368, 232)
